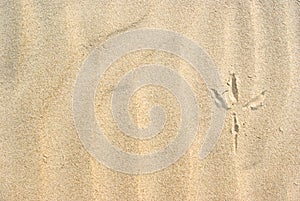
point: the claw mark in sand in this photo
(219, 101)
(257, 101)
(235, 131)
(234, 88)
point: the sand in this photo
(254, 46)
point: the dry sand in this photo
(255, 46)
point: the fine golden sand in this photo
(255, 45)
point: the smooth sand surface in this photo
(255, 47)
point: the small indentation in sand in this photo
(235, 130)
(218, 99)
(234, 87)
(256, 102)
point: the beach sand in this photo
(255, 46)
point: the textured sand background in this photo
(255, 46)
